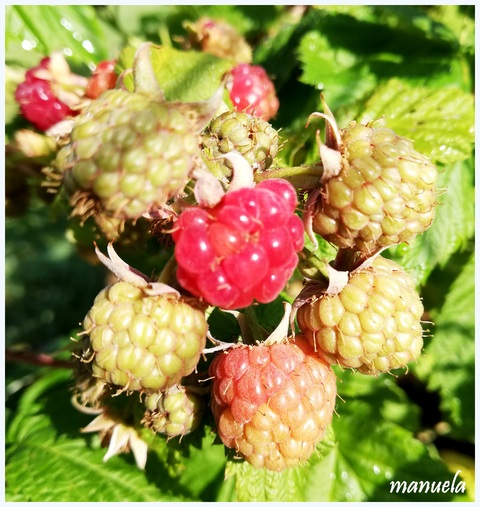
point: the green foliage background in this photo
(411, 65)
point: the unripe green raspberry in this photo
(141, 342)
(272, 403)
(384, 193)
(251, 136)
(176, 412)
(373, 324)
(127, 155)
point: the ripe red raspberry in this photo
(37, 101)
(272, 403)
(242, 249)
(103, 78)
(252, 91)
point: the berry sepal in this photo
(128, 274)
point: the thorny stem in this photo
(37, 359)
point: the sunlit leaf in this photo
(440, 121)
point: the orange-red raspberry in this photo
(272, 403)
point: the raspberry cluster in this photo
(135, 156)
(378, 191)
(243, 249)
(37, 100)
(272, 403)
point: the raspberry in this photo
(272, 403)
(242, 249)
(372, 324)
(38, 103)
(250, 136)
(127, 156)
(218, 38)
(176, 412)
(383, 195)
(102, 79)
(50, 92)
(141, 342)
(251, 91)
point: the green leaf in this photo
(188, 76)
(350, 50)
(365, 453)
(452, 227)
(381, 392)
(460, 20)
(448, 363)
(156, 22)
(65, 470)
(404, 18)
(440, 121)
(44, 438)
(197, 452)
(146, 20)
(74, 29)
(338, 72)
(261, 485)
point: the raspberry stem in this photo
(37, 359)
(257, 332)
(303, 177)
(167, 275)
(311, 266)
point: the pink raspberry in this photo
(37, 101)
(244, 248)
(252, 91)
